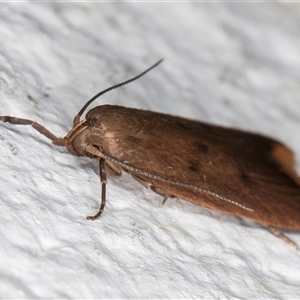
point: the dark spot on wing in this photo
(245, 177)
(133, 141)
(201, 147)
(194, 166)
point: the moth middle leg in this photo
(155, 189)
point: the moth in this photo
(228, 170)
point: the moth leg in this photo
(113, 169)
(38, 127)
(164, 200)
(156, 190)
(283, 237)
(221, 217)
(167, 197)
(93, 151)
(103, 190)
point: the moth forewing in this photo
(203, 167)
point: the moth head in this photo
(74, 140)
(83, 136)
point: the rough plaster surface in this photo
(234, 64)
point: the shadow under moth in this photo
(228, 170)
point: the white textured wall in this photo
(235, 64)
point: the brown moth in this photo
(232, 171)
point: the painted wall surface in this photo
(232, 64)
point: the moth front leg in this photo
(38, 127)
(103, 190)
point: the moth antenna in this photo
(77, 117)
